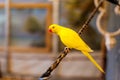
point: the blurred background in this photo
(27, 49)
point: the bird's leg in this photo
(66, 49)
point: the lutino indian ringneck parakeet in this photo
(71, 39)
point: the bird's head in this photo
(54, 28)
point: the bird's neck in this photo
(59, 30)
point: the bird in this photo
(72, 40)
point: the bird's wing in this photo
(72, 40)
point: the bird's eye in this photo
(53, 27)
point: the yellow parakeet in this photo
(71, 39)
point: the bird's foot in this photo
(66, 49)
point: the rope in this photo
(46, 75)
(90, 18)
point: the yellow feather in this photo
(71, 39)
(93, 61)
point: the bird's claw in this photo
(66, 49)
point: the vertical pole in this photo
(56, 21)
(7, 35)
(0, 72)
(113, 55)
(104, 51)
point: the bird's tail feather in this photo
(93, 61)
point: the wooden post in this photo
(7, 35)
(0, 72)
(56, 21)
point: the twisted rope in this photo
(46, 75)
(90, 18)
(55, 64)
